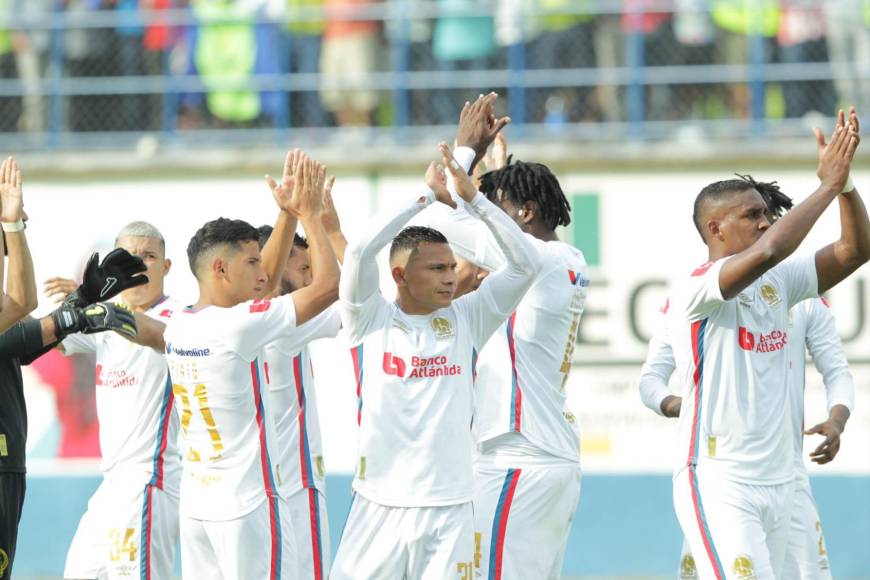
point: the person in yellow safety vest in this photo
(225, 57)
(305, 35)
(10, 107)
(738, 21)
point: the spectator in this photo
(741, 23)
(351, 52)
(131, 62)
(848, 36)
(565, 41)
(802, 40)
(411, 39)
(304, 35)
(461, 41)
(11, 42)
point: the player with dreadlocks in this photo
(812, 328)
(527, 478)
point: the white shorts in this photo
(129, 530)
(734, 530)
(389, 543)
(806, 556)
(311, 528)
(258, 546)
(528, 510)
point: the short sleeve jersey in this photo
(138, 426)
(229, 454)
(523, 367)
(414, 378)
(732, 362)
(290, 376)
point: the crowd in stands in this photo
(239, 49)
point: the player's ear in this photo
(167, 264)
(398, 273)
(218, 267)
(528, 212)
(714, 230)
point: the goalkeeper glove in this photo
(98, 317)
(116, 273)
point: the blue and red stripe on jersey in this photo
(356, 354)
(499, 522)
(516, 411)
(268, 479)
(304, 448)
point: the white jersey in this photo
(812, 326)
(290, 377)
(522, 370)
(732, 361)
(138, 428)
(415, 372)
(215, 354)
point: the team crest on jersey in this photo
(4, 561)
(688, 571)
(442, 327)
(769, 294)
(742, 567)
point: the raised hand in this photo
(329, 217)
(835, 157)
(307, 198)
(58, 288)
(11, 200)
(478, 125)
(499, 152)
(463, 183)
(282, 192)
(437, 182)
(118, 271)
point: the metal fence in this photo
(80, 74)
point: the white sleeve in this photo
(500, 293)
(825, 347)
(79, 343)
(799, 278)
(469, 238)
(247, 327)
(701, 294)
(324, 325)
(358, 288)
(657, 369)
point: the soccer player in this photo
(289, 374)
(414, 359)
(21, 342)
(728, 325)
(234, 522)
(527, 477)
(811, 327)
(131, 524)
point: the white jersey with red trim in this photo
(290, 377)
(138, 427)
(415, 372)
(812, 325)
(229, 454)
(523, 367)
(732, 361)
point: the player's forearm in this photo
(20, 281)
(324, 269)
(653, 390)
(854, 240)
(338, 243)
(359, 278)
(278, 247)
(149, 332)
(25, 338)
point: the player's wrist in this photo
(849, 186)
(12, 224)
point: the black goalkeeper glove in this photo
(117, 272)
(98, 317)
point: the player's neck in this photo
(412, 307)
(544, 234)
(211, 297)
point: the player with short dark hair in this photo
(734, 481)
(414, 361)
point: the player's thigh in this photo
(12, 487)
(806, 556)
(308, 516)
(86, 557)
(443, 546)
(778, 502)
(372, 544)
(722, 524)
(143, 534)
(199, 558)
